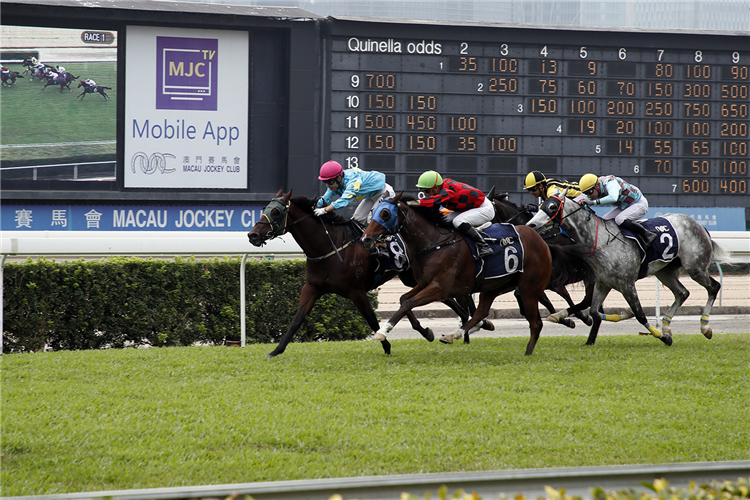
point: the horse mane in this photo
(432, 215)
(503, 198)
(308, 204)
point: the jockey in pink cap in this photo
(350, 185)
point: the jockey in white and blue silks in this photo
(630, 204)
(350, 185)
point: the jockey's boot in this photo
(646, 236)
(483, 248)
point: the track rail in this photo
(488, 485)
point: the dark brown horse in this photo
(508, 212)
(444, 267)
(336, 262)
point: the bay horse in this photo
(508, 212)
(336, 262)
(444, 266)
(618, 261)
(63, 81)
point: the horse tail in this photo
(105, 88)
(721, 255)
(570, 264)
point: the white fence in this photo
(167, 244)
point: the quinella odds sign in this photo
(186, 108)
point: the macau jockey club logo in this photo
(187, 73)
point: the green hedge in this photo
(120, 302)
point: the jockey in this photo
(350, 185)
(90, 83)
(60, 70)
(469, 206)
(540, 187)
(630, 204)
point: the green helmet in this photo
(429, 180)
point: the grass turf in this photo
(118, 419)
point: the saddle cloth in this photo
(664, 248)
(507, 252)
(397, 261)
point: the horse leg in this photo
(670, 277)
(481, 312)
(631, 296)
(712, 286)
(531, 304)
(598, 295)
(466, 304)
(362, 303)
(555, 316)
(415, 297)
(307, 300)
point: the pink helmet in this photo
(330, 170)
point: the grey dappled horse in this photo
(617, 261)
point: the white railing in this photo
(84, 244)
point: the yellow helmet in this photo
(535, 177)
(429, 180)
(587, 182)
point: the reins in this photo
(561, 214)
(429, 249)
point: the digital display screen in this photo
(669, 114)
(58, 120)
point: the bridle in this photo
(557, 218)
(280, 225)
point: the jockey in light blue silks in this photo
(630, 204)
(350, 185)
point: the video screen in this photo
(58, 119)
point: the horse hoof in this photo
(708, 334)
(379, 337)
(488, 325)
(270, 355)
(386, 347)
(567, 322)
(447, 339)
(667, 339)
(588, 321)
(429, 335)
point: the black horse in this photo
(92, 89)
(507, 211)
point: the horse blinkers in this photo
(276, 214)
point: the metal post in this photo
(242, 301)
(2, 285)
(657, 306)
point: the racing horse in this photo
(508, 212)
(444, 266)
(9, 78)
(37, 71)
(91, 89)
(63, 80)
(335, 262)
(619, 263)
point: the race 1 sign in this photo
(186, 108)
